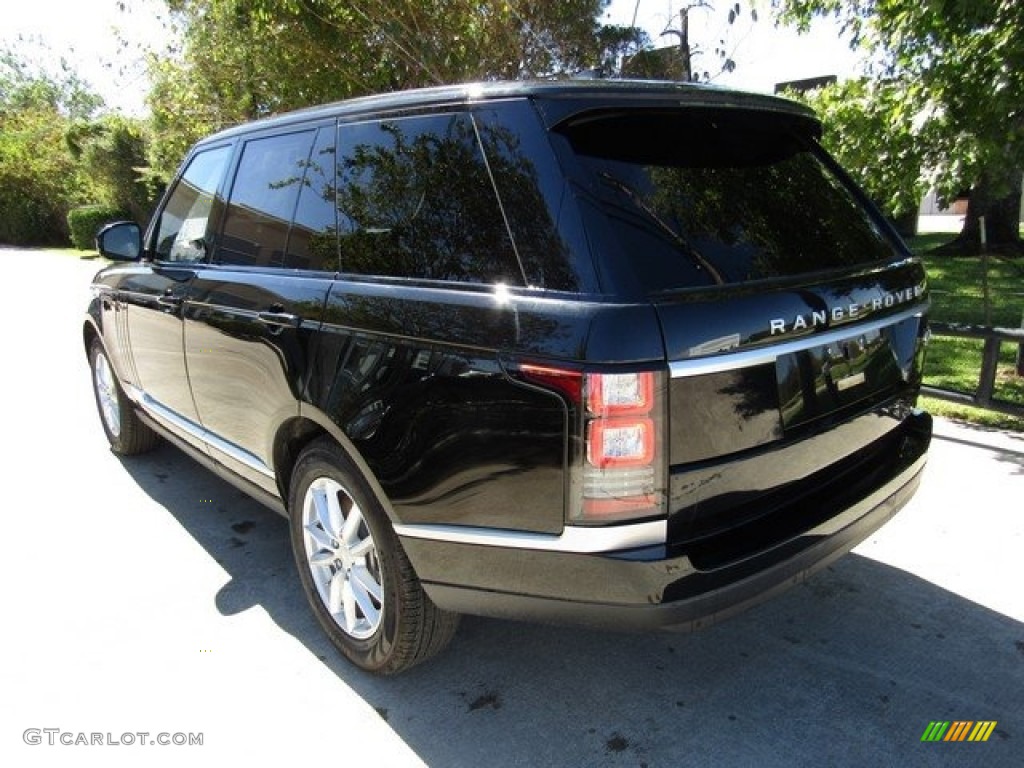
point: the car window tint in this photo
(181, 235)
(705, 198)
(313, 242)
(529, 184)
(415, 200)
(262, 200)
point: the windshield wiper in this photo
(685, 245)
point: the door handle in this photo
(281, 319)
(170, 300)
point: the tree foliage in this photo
(954, 70)
(880, 145)
(58, 152)
(682, 66)
(39, 182)
(242, 59)
(26, 85)
(111, 153)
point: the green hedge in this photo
(29, 220)
(86, 221)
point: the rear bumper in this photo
(653, 587)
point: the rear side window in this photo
(415, 200)
(313, 240)
(181, 235)
(702, 198)
(529, 183)
(263, 199)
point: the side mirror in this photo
(120, 241)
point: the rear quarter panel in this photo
(417, 378)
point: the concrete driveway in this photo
(146, 596)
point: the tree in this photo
(956, 69)
(687, 51)
(111, 154)
(678, 62)
(243, 59)
(875, 141)
(58, 151)
(39, 181)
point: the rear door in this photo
(252, 313)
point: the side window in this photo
(415, 200)
(313, 242)
(529, 183)
(262, 201)
(181, 235)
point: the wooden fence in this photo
(983, 396)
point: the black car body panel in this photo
(249, 340)
(650, 588)
(420, 391)
(579, 389)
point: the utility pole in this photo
(686, 68)
(684, 43)
(687, 51)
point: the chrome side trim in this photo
(207, 438)
(134, 393)
(576, 539)
(732, 361)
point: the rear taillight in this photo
(622, 472)
(620, 443)
(620, 394)
(617, 452)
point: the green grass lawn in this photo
(957, 297)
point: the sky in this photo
(101, 42)
(105, 44)
(764, 54)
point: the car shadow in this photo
(848, 668)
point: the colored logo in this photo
(958, 730)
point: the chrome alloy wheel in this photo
(106, 394)
(342, 558)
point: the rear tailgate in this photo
(781, 396)
(791, 313)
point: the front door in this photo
(155, 295)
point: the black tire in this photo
(127, 434)
(363, 564)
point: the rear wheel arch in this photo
(291, 439)
(296, 434)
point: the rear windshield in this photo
(703, 198)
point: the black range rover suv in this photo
(626, 354)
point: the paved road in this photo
(148, 596)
